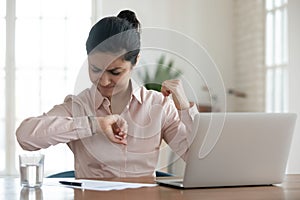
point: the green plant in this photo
(163, 72)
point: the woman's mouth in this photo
(106, 90)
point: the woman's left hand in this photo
(175, 88)
(114, 127)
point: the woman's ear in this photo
(137, 60)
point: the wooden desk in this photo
(290, 189)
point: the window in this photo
(276, 56)
(49, 49)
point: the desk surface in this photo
(290, 189)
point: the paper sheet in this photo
(96, 185)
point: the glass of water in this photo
(31, 169)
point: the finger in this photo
(118, 137)
(120, 124)
(123, 134)
(119, 128)
(123, 142)
(115, 128)
(119, 140)
(165, 91)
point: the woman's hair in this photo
(115, 35)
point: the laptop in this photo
(237, 149)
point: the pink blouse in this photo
(151, 117)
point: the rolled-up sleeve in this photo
(43, 131)
(177, 131)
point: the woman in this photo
(114, 128)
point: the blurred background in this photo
(252, 43)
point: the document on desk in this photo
(97, 184)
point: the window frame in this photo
(276, 63)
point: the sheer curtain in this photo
(45, 49)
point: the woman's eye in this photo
(96, 70)
(115, 73)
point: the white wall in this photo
(294, 81)
(208, 22)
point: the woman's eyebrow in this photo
(94, 66)
(109, 70)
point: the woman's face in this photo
(109, 73)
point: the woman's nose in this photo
(104, 79)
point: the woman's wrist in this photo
(181, 103)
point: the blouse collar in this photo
(99, 99)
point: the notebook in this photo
(237, 149)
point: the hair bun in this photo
(130, 17)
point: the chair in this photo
(71, 174)
(66, 174)
(162, 174)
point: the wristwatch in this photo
(93, 124)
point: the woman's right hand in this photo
(114, 127)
